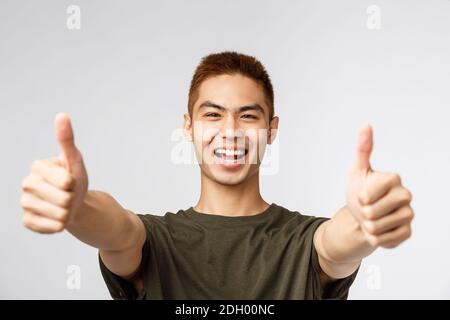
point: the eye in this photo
(249, 116)
(212, 114)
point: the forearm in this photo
(103, 223)
(341, 245)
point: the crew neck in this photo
(230, 220)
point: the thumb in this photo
(364, 148)
(64, 135)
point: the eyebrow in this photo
(255, 107)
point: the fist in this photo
(55, 188)
(378, 200)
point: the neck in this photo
(243, 199)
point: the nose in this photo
(231, 132)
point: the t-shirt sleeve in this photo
(337, 289)
(118, 287)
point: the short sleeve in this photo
(338, 289)
(118, 287)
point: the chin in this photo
(229, 178)
(229, 181)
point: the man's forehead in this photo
(230, 94)
(231, 86)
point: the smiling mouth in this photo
(230, 154)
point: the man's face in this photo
(230, 128)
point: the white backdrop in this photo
(124, 76)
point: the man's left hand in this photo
(378, 200)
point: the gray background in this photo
(124, 77)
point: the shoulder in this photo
(299, 216)
(299, 221)
(160, 220)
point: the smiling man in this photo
(232, 244)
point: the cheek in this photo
(257, 138)
(204, 133)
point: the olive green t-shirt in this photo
(193, 255)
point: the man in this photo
(232, 244)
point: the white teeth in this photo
(228, 152)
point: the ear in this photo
(187, 127)
(273, 128)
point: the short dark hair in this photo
(230, 62)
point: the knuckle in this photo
(63, 214)
(370, 226)
(67, 181)
(59, 227)
(375, 241)
(412, 214)
(407, 195)
(368, 212)
(66, 200)
(408, 213)
(24, 201)
(395, 178)
(26, 220)
(29, 182)
(363, 197)
(408, 233)
(25, 185)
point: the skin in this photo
(55, 194)
(229, 192)
(377, 213)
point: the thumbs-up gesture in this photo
(378, 200)
(55, 188)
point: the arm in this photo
(377, 214)
(118, 233)
(55, 197)
(340, 244)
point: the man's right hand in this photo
(55, 188)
